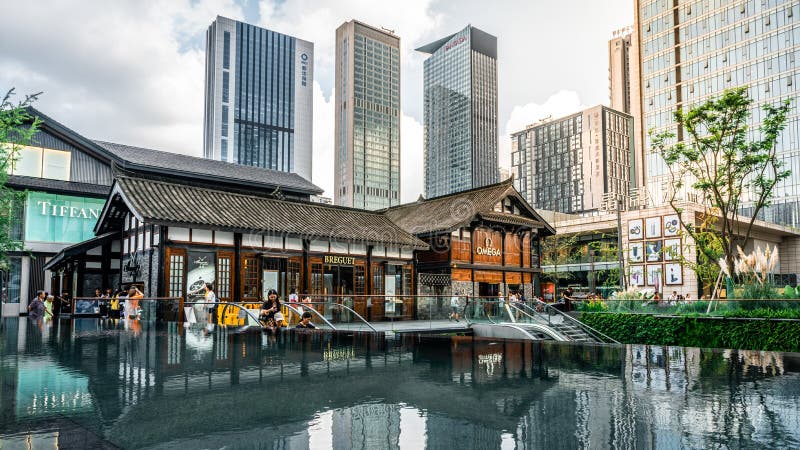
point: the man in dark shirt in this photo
(305, 322)
(36, 306)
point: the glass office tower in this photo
(691, 51)
(460, 111)
(367, 155)
(258, 99)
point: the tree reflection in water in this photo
(166, 385)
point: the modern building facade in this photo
(460, 112)
(689, 52)
(367, 152)
(619, 72)
(67, 178)
(572, 164)
(258, 98)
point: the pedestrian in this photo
(211, 302)
(454, 303)
(56, 306)
(293, 297)
(134, 295)
(36, 306)
(66, 303)
(48, 308)
(305, 322)
(114, 306)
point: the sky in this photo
(132, 71)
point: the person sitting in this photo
(270, 313)
(305, 322)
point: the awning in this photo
(64, 256)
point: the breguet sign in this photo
(340, 260)
(60, 218)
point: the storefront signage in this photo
(60, 218)
(340, 260)
(487, 249)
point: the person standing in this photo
(114, 306)
(211, 301)
(453, 307)
(36, 307)
(56, 306)
(66, 304)
(134, 295)
(48, 308)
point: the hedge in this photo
(745, 334)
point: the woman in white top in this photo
(211, 301)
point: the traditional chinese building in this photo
(483, 242)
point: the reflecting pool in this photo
(102, 384)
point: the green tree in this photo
(17, 127)
(717, 159)
(557, 250)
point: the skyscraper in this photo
(619, 73)
(569, 164)
(460, 111)
(367, 152)
(258, 99)
(691, 51)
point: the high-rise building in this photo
(688, 52)
(460, 112)
(258, 99)
(570, 164)
(619, 72)
(367, 152)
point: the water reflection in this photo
(142, 385)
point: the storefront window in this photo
(10, 281)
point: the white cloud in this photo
(560, 104)
(119, 71)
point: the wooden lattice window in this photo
(250, 277)
(316, 279)
(293, 275)
(360, 280)
(177, 267)
(224, 277)
(377, 279)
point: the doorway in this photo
(488, 293)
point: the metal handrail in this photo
(591, 331)
(341, 306)
(311, 310)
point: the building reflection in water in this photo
(186, 387)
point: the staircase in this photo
(572, 332)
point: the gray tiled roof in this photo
(452, 211)
(161, 202)
(70, 187)
(137, 158)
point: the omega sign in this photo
(487, 249)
